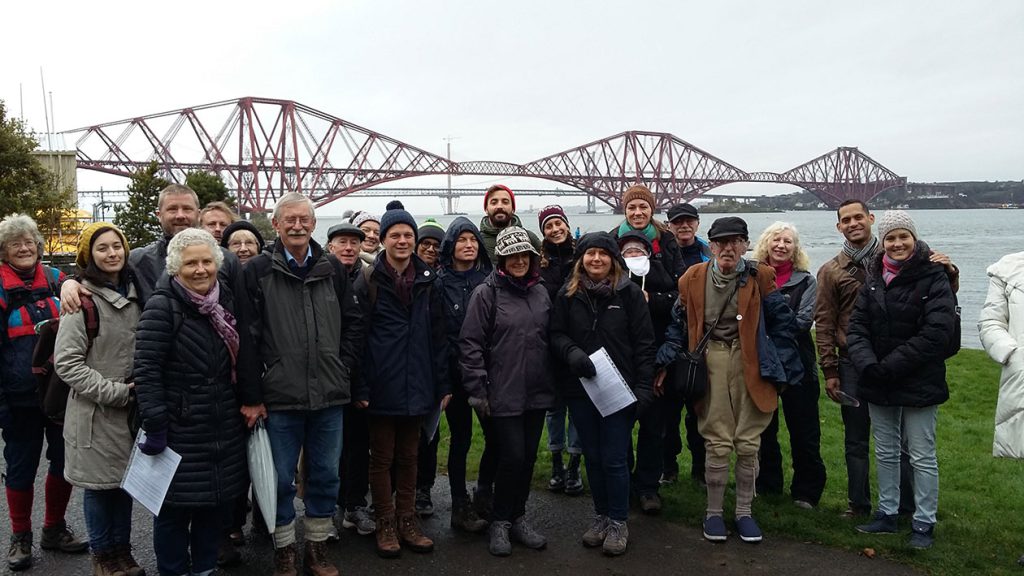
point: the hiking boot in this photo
(748, 529)
(227, 554)
(60, 537)
(557, 482)
(500, 544)
(525, 534)
(650, 504)
(424, 506)
(616, 539)
(285, 560)
(19, 557)
(594, 536)
(573, 481)
(410, 533)
(315, 560)
(360, 520)
(483, 503)
(922, 535)
(123, 554)
(387, 537)
(714, 529)
(107, 564)
(881, 523)
(464, 518)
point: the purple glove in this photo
(155, 443)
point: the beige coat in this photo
(1002, 334)
(97, 440)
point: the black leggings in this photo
(517, 438)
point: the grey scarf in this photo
(859, 254)
(721, 279)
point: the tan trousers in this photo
(730, 422)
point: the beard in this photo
(506, 218)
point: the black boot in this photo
(557, 482)
(573, 482)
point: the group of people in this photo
(351, 352)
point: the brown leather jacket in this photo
(691, 297)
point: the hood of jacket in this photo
(455, 229)
(1009, 269)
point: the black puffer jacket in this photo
(621, 324)
(904, 328)
(183, 383)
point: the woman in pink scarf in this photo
(187, 371)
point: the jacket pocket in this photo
(84, 424)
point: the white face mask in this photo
(638, 265)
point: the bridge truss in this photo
(264, 147)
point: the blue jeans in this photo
(108, 518)
(918, 425)
(606, 443)
(185, 540)
(556, 421)
(319, 433)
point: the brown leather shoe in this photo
(128, 563)
(410, 533)
(387, 538)
(285, 560)
(315, 560)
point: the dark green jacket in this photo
(308, 331)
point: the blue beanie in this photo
(397, 216)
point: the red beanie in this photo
(496, 188)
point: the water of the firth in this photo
(974, 239)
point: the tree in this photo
(137, 218)
(262, 223)
(209, 187)
(23, 179)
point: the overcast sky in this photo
(933, 90)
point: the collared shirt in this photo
(288, 258)
(300, 270)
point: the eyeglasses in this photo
(428, 245)
(19, 244)
(293, 220)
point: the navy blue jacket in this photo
(405, 359)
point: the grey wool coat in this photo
(97, 440)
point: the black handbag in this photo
(691, 366)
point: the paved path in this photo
(656, 547)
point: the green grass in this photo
(981, 498)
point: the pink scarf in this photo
(891, 268)
(221, 320)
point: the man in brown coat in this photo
(725, 297)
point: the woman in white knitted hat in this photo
(901, 330)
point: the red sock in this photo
(58, 493)
(19, 504)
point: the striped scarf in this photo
(859, 254)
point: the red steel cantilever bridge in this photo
(264, 147)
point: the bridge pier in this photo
(591, 204)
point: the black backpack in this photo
(53, 392)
